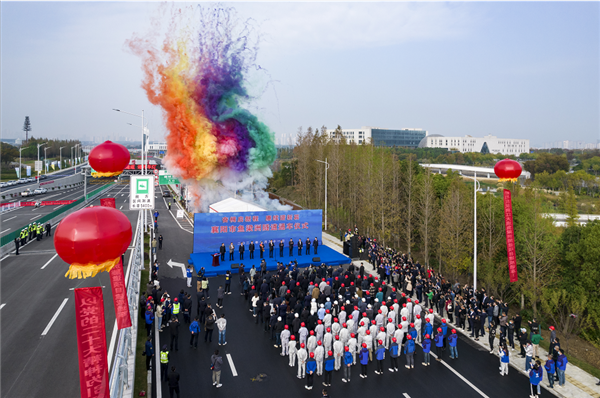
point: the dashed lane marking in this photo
(45, 332)
(2, 306)
(49, 261)
(8, 219)
(231, 365)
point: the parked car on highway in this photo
(31, 179)
(11, 183)
(3, 185)
(28, 192)
(22, 180)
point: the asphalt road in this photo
(33, 289)
(56, 175)
(19, 217)
(474, 374)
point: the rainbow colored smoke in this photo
(213, 143)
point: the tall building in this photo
(486, 144)
(405, 137)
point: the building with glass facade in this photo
(486, 144)
(406, 137)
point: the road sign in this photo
(166, 179)
(179, 213)
(38, 165)
(141, 192)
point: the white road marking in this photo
(2, 259)
(58, 207)
(461, 377)
(2, 306)
(5, 231)
(120, 207)
(39, 215)
(406, 395)
(45, 332)
(8, 219)
(49, 261)
(231, 365)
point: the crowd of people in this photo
(31, 232)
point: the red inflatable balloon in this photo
(508, 170)
(108, 159)
(92, 240)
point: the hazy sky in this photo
(515, 70)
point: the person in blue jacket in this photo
(329, 366)
(439, 344)
(380, 356)
(195, 330)
(428, 328)
(409, 350)
(149, 320)
(452, 340)
(504, 360)
(550, 367)
(363, 356)
(412, 331)
(348, 361)
(394, 352)
(426, 350)
(535, 378)
(311, 367)
(444, 333)
(561, 367)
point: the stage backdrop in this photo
(212, 229)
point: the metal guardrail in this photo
(9, 238)
(121, 381)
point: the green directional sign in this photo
(166, 179)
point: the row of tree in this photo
(430, 216)
(10, 153)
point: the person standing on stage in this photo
(307, 246)
(251, 249)
(291, 245)
(299, 247)
(261, 247)
(271, 248)
(281, 245)
(316, 244)
(222, 250)
(241, 249)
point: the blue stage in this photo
(325, 254)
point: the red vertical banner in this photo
(91, 343)
(108, 202)
(510, 237)
(119, 292)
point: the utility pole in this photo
(326, 167)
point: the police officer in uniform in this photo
(176, 307)
(164, 362)
(17, 244)
(40, 232)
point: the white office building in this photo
(486, 144)
(404, 137)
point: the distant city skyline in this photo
(514, 70)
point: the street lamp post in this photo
(60, 157)
(326, 167)
(475, 189)
(46, 159)
(38, 158)
(20, 150)
(143, 212)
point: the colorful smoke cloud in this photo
(198, 77)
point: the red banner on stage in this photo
(119, 292)
(510, 237)
(108, 202)
(91, 343)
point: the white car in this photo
(40, 191)
(3, 185)
(22, 180)
(31, 179)
(11, 183)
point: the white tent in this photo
(231, 205)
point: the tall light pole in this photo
(143, 212)
(20, 150)
(60, 161)
(475, 189)
(75, 153)
(326, 167)
(38, 147)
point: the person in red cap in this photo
(319, 357)
(311, 366)
(302, 358)
(338, 350)
(347, 365)
(439, 344)
(292, 350)
(364, 360)
(329, 366)
(380, 356)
